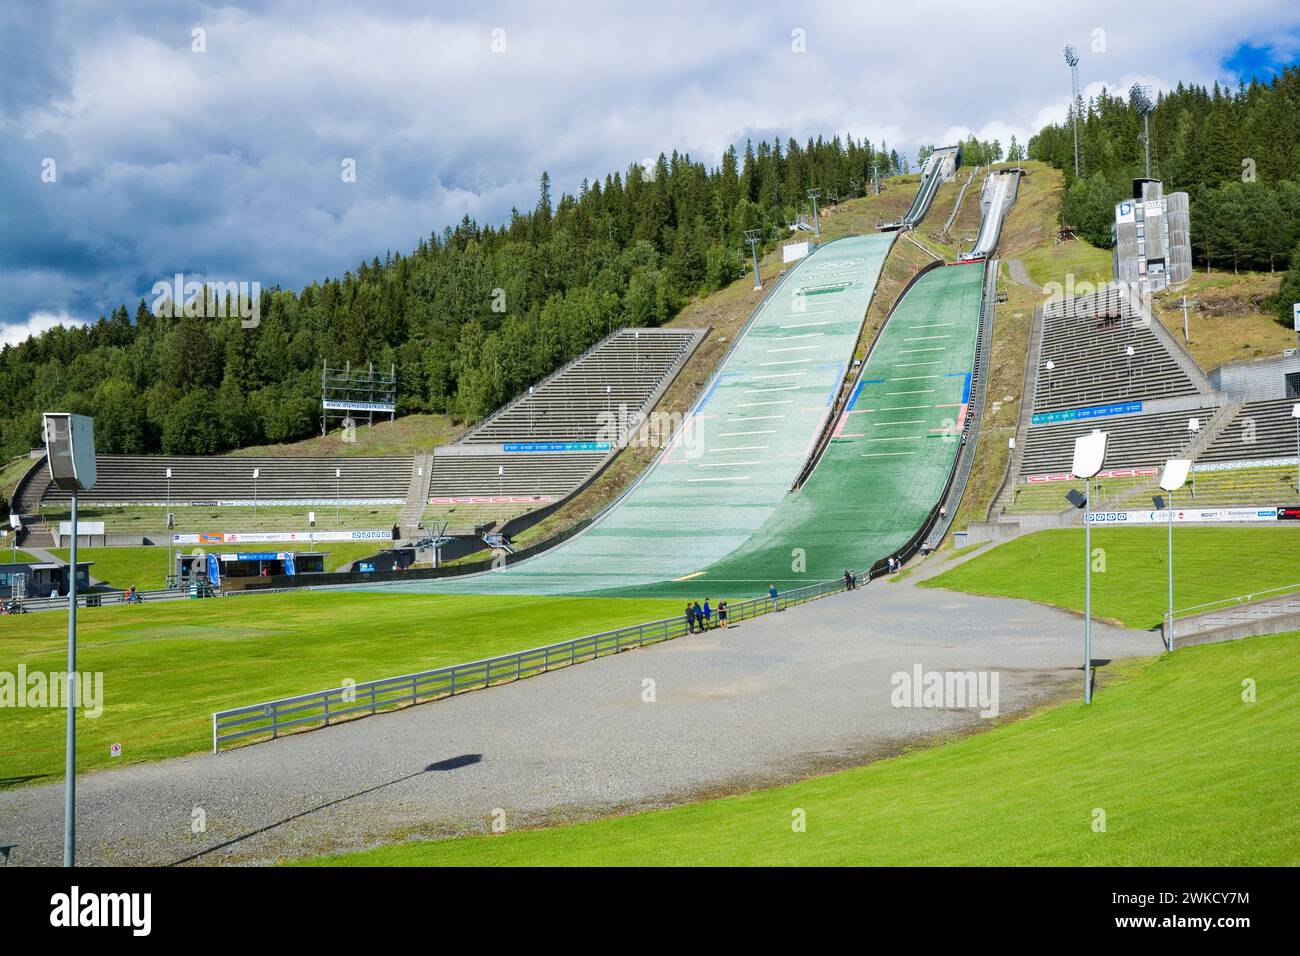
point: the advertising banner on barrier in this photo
(556, 446)
(1081, 414)
(269, 537)
(1185, 515)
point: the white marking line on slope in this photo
(779, 375)
(724, 478)
(910, 421)
(806, 335)
(714, 451)
(771, 431)
(788, 401)
(916, 364)
(899, 438)
(787, 362)
(932, 325)
(795, 348)
(937, 348)
(913, 378)
(754, 418)
(926, 338)
(903, 408)
(808, 325)
(774, 388)
(918, 391)
(727, 464)
(886, 454)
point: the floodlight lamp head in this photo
(1295, 410)
(1175, 473)
(1089, 454)
(70, 450)
(1071, 56)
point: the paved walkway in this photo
(769, 701)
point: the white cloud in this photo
(38, 322)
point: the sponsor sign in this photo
(490, 499)
(269, 537)
(1080, 414)
(347, 405)
(793, 251)
(556, 446)
(83, 527)
(1184, 515)
(1288, 514)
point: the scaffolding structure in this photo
(349, 394)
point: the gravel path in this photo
(772, 700)
(1019, 275)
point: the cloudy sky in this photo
(133, 147)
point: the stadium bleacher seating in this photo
(1260, 430)
(573, 404)
(131, 479)
(1087, 339)
(1135, 440)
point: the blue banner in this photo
(556, 446)
(1078, 414)
(214, 571)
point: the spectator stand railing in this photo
(272, 718)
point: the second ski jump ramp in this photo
(999, 194)
(748, 437)
(891, 454)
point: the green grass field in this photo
(1209, 564)
(168, 666)
(146, 567)
(1185, 771)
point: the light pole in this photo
(1128, 351)
(1295, 413)
(169, 524)
(256, 473)
(501, 494)
(1174, 477)
(338, 493)
(817, 226)
(70, 451)
(752, 236)
(1050, 365)
(1089, 456)
(1193, 429)
(531, 435)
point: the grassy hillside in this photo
(1228, 318)
(1185, 772)
(1210, 564)
(168, 666)
(409, 435)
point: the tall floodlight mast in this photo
(1072, 60)
(1140, 96)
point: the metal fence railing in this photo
(1235, 601)
(271, 718)
(101, 598)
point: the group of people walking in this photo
(701, 617)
